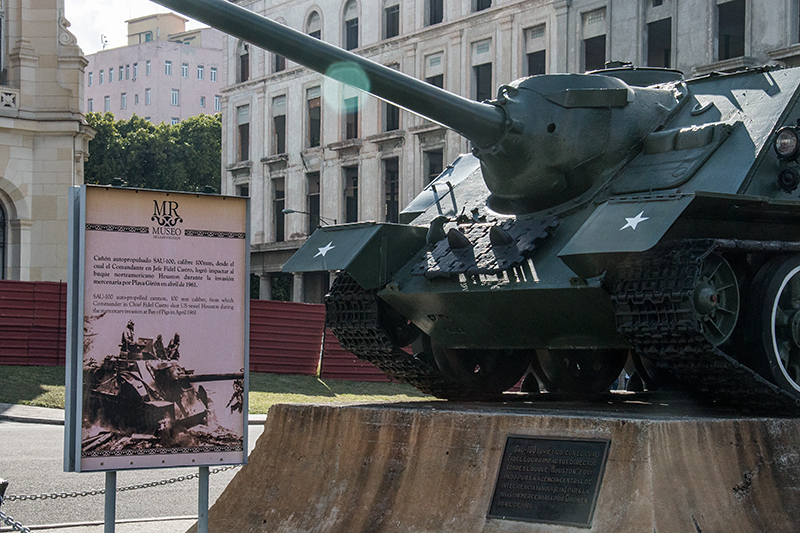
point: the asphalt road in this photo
(31, 460)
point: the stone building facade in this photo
(43, 137)
(292, 140)
(164, 74)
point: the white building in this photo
(292, 140)
(164, 74)
(43, 137)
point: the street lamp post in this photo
(323, 221)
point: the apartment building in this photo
(329, 153)
(164, 74)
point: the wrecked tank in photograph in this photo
(140, 391)
(601, 216)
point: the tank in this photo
(619, 216)
(146, 390)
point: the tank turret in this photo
(543, 140)
(625, 218)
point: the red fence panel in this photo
(338, 363)
(285, 337)
(33, 323)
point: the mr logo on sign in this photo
(167, 216)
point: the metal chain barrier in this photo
(9, 521)
(75, 494)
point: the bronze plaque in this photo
(549, 480)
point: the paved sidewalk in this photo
(168, 525)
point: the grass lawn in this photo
(44, 386)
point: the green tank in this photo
(620, 215)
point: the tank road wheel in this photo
(578, 372)
(482, 371)
(716, 299)
(773, 328)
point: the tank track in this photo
(652, 295)
(354, 316)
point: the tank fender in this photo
(621, 226)
(370, 252)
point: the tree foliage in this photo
(181, 157)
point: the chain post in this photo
(3, 487)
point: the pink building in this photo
(165, 74)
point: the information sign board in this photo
(158, 332)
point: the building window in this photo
(243, 190)
(480, 5)
(135, 71)
(184, 70)
(243, 130)
(731, 23)
(314, 25)
(351, 25)
(535, 46)
(148, 36)
(482, 81)
(659, 43)
(594, 39)
(101, 77)
(391, 189)
(91, 78)
(434, 70)
(391, 117)
(351, 117)
(175, 97)
(217, 102)
(147, 68)
(168, 68)
(434, 11)
(433, 161)
(111, 75)
(200, 72)
(147, 97)
(391, 20)
(279, 125)
(123, 101)
(127, 71)
(278, 63)
(202, 101)
(312, 200)
(278, 204)
(213, 74)
(350, 194)
(90, 105)
(106, 103)
(244, 62)
(314, 113)
(174, 121)
(136, 99)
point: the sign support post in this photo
(110, 516)
(202, 501)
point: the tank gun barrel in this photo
(197, 378)
(481, 123)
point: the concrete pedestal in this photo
(432, 467)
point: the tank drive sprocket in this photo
(666, 306)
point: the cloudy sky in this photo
(90, 19)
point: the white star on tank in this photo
(634, 221)
(325, 249)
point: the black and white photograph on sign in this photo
(163, 330)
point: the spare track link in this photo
(352, 313)
(652, 295)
